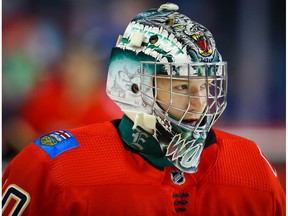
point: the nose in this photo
(196, 101)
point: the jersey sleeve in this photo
(28, 186)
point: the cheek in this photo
(163, 98)
(180, 101)
(177, 101)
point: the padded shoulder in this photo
(241, 162)
(60, 141)
(100, 159)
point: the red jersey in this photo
(87, 171)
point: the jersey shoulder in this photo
(241, 162)
(58, 143)
(90, 155)
(85, 156)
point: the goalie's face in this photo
(182, 98)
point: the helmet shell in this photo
(164, 36)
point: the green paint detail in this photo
(165, 40)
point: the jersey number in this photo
(22, 198)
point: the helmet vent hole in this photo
(135, 88)
(170, 21)
(153, 39)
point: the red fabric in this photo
(100, 177)
(51, 106)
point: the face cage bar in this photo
(217, 93)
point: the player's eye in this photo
(181, 87)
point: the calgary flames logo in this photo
(203, 44)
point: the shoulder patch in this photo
(57, 142)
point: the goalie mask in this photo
(166, 74)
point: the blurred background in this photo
(55, 55)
